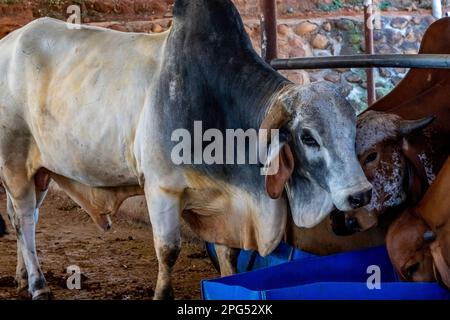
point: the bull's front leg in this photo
(21, 271)
(164, 209)
(24, 214)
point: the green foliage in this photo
(385, 5)
(382, 91)
(335, 5)
(355, 39)
(356, 2)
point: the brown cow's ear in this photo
(418, 181)
(275, 183)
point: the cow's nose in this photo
(360, 199)
(352, 224)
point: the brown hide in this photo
(321, 240)
(406, 243)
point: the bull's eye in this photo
(371, 158)
(308, 140)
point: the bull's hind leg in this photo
(23, 208)
(164, 210)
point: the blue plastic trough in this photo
(251, 260)
(336, 277)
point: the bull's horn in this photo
(406, 127)
(429, 236)
(277, 115)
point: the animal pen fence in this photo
(269, 52)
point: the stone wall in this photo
(288, 8)
(343, 36)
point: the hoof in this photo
(23, 294)
(166, 294)
(3, 230)
(43, 295)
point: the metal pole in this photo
(269, 12)
(421, 61)
(368, 35)
(437, 8)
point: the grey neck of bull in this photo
(231, 79)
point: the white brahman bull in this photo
(95, 110)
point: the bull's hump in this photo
(42, 30)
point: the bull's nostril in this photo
(355, 200)
(360, 199)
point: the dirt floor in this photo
(119, 264)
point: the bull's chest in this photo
(225, 214)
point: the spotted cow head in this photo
(386, 158)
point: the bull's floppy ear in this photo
(279, 165)
(407, 127)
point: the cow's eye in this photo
(411, 270)
(371, 158)
(308, 140)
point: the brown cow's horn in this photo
(406, 127)
(429, 236)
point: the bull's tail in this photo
(2, 227)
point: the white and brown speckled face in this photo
(386, 172)
(379, 141)
(378, 146)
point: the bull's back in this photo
(80, 93)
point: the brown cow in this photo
(398, 158)
(418, 241)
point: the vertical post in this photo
(269, 29)
(368, 36)
(437, 8)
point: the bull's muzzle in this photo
(360, 199)
(352, 198)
